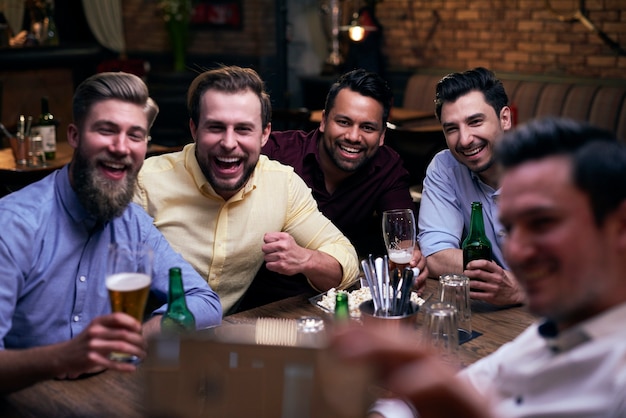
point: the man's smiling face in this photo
(472, 128)
(229, 137)
(353, 130)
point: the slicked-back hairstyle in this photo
(598, 158)
(455, 85)
(112, 85)
(228, 79)
(365, 83)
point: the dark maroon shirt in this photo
(381, 184)
(355, 207)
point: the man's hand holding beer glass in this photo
(115, 341)
(128, 279)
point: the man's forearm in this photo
(22, 368)
(323, 271)
(445, 261)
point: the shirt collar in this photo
(70, 200)
(606, 323)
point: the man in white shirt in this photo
(563, 206)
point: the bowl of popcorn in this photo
(356, 297)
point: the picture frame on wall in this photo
(218, 14)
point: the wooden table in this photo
(14, 177)
(118, 394)
(397, 115)
(497, 325)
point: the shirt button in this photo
(82, 278)
(76, 318)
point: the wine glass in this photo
(399, 233)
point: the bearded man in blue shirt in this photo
(55, 315)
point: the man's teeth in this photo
(472, 152)
(227, 160)
(351, 150)
(115, 166)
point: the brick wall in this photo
(519, 36)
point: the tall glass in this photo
(400, 235)
(128, 279)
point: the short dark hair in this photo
(112, 85)
(365, 83)
(229, 79)
(598, 158)
(455, 85)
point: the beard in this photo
(103, 198)
(218, 184)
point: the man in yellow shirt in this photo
(226, 208)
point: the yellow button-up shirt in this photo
(223, 239)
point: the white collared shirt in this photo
(579, 373)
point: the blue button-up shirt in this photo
(445, 209)
(53, 262)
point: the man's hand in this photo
(412, 370)
(89, 351)
(283, 255)
(491, 283)
(419, 261)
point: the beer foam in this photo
(126, 282)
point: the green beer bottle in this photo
(178, 318)
(476, 245)
(342, 309)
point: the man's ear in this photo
(72, 135)
(192, 129)
(323, 121)
(505, 118)
(266, 134)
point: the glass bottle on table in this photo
(178, 318)
(342, 308)
(476, 246)
(46, 127)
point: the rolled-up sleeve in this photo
(312, 230)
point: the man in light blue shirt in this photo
(55, 315)
(472, 108)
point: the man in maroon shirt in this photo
(353, 176)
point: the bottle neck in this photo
(176, 293)
(477, 224)
(45, 109)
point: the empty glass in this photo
(36, 156)
(440, 329)
(455, 289)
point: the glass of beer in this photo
(128, 279)
(400, 235)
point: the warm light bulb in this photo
(356, 33)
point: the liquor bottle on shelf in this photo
(178, 318)
(476, 245)
(46, 127)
